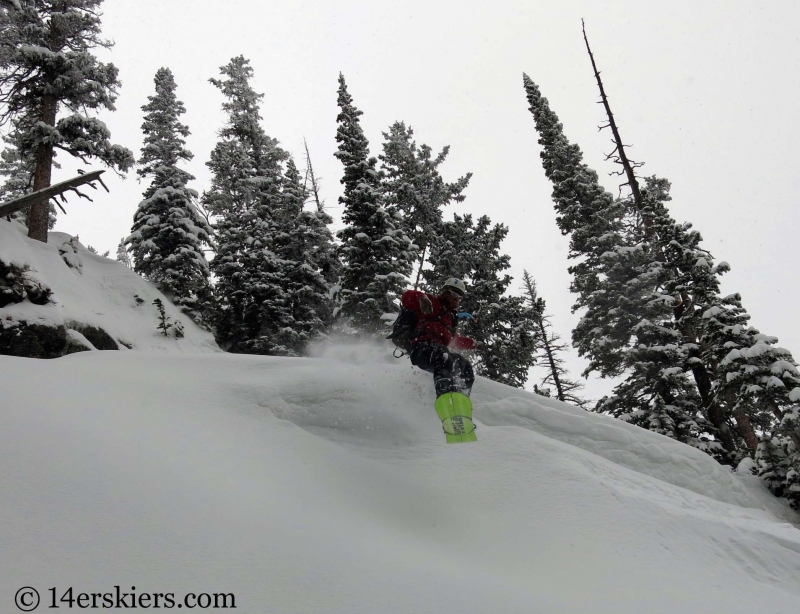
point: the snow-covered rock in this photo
(89, 290)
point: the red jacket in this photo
(437, 327)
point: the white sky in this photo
(707, 95)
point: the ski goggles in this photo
(452, 292)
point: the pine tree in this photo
(757, 381)
(46, 64)
(627, 327)
(683, 290)
(122, 254)
(638, 306)
(789, 431)
(772, 463)
(18, 171)
(325, 251)
(662, 287)
(168, 232)
(245, 195)
(595, 224)
(690, 281)
(375, 252)
(413, 186)
(550, 349)
(163, 319)
(740, 393)
(301, 243)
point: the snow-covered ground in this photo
(324, 485)
(95, 291)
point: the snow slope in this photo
(97, 291)
(324, 485)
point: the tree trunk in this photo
(714, 412)
(746, 429)
(702, 373)
(553, 369)
(38, 215)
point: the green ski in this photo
(455, 411)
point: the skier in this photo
(434, 337)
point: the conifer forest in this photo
(256, 257)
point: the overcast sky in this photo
(708, 95)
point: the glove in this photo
(425, 305)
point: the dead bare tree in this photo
(567, 390)
(315, 181)
(618, 155)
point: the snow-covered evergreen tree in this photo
(627, 327)
(789, 431)
(757, 380)
(689, 284)
(550, 350)
(325, 253)
(301, 242)
(19, 174)
(772, 463)
(245, 196)
(743, 381)
(594, 222)
(376, 253)
(168, 232)
(413, 186)
(636, 309)
(660, 286)
(47, 66)
(18, 171)
(122, 254)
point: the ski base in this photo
(455, 411)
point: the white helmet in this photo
(455, 284)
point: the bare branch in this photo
(81, 194)
(100, 179)
(623, 158)
(314, 180)
(58, 204)
(23, 202)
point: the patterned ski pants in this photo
(451, 371)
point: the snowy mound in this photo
(91, 290)
(324, 485)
